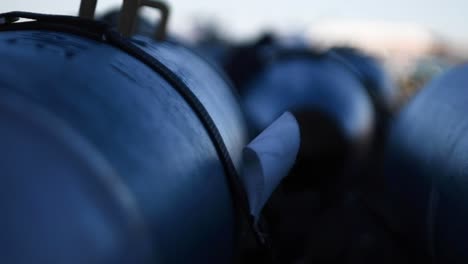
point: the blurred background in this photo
(415, 39)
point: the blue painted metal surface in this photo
(143, 128)
(60, 200)
(371, 72)
(426, 169)
(311, 84)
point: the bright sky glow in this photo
(245, 17)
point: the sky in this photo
(243, 18)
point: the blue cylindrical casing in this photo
(426, 169)
(383, 92)
(144, 129)
(311, 84)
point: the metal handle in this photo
(87, 9)
(129, 15)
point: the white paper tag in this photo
(268, 159)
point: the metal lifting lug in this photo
(129, 15)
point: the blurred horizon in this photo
(415, 40)
(243, 19)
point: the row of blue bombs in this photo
(127, 150)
